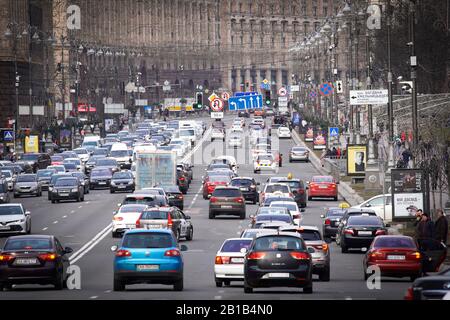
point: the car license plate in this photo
(5, 227)
(278, 275)
(365, 233)
(153, 226)
(25, 262)
(395, 257)
(131, 226)
(323, 187)
(226, 207)
(147, 267)
(121, 187)
(244, 189)
(237, 260)
(64, 194)
(102, 183)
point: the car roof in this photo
(291, 234)
(10, 204)
(167, 231)
(32, 236)
(243, 178)
(360, 210)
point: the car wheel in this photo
(255, 200)
(111, 191)
(59, 282)
(205, 197)
(242, 215)
(219, 284)
(178, 286)
(308, 288)
(366, 275)
(177, 235)
(185, 191)
(344, 249)
(118, 285)
(82, 198)
(325, 274)
(247, 288)
(254, 171)
(226, 283)
(78, 198)
(7, 286)
(16, 195)
(309, 198)
(53, 201)
(115, 234)
(211, 215)
(413, 278)
(190, 234)
(335, 198)
(87, 191)
(29, 229)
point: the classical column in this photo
(279, 78)
(269, 76)
(258, 80)
(248, 79)
(238, 80)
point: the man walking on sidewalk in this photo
(441, 227)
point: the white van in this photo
(91, 141)
(119, 151)
(188, 134)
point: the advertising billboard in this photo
(309, 135)
(320, 140)
(31, 144)
(356, 159)
(65, 138)
(408, 192)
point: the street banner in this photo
(356, 159)
(309, 135)
(408, 193)
(31, 144)
(320, 140)
(65, 138)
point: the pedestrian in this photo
(406, 156)
(334, 152)
(419, 214)
(441, 227)
(425, 228)
(338, 152)
(322, 157)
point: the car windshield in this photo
(57, 158)
(7, 174)
(187, 133)
(28, 244)
(29, 157)
(100, 173)
(335, 212)
(70, 166)
(119, 153)
(235, 245)
(322, 179)
(26, 178)
(148, 240)
(106, 162)
(310, 235)
(277, 188)
(394, 242)
(58, 168)
(66, 182)
(132, 208)
(277, 243)
(292, 184)
(274, 217)
(364, 221)
(122, 175)
(219, 179)
(10, 210)
(90, 143)
(74, 161)
(150, 201)
(227, 193)
(241, 182)
(45, 173)
(154, 215)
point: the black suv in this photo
(36, 160)
(248, 187)
(67, 189)
(122, 181)
(298, 189)
(100, 177)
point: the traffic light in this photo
(267, 99)
(199, 100)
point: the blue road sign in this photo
(8, 135)
(245, 102)
(241, 94)
(265, 86)
(333, 131)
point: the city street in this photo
(85, 226)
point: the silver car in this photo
(14, 219)
(27, 184)
(299, 154)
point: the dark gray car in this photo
(228, 201)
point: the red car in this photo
(395, 256)
(324, 187)
(212, 182)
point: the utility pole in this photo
(413, 63)
(390, 99)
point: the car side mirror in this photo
(188, 217)
(114, 248)
(68, 250)
(258, 183)
(114, 212)
(368, 205)
(307, 182)
(183, 247)
(322, 216)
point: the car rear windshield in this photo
(293, 184)
(235, 245)
(26, 178)
(227, 193)
(187, 133)
(278, 243)
(271, 217)
(10, 210)
(274, 188)
(57, 158)
(290, 206)
(100, 173)
(106, 162)
(272, 210)
(241, 182)
(394, 242)
(364, 221)
(219, 179)
(80, 151)
(154, 215)
(148, 240)
(335, 212)
(150, 201)
(66, 182)
(28, 244)
(122, 175)
(310, 235)
(119, 153)
(132, 208)
(322, 179)
(70, 166)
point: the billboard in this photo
(65, 138)
(31, 144)
(356, 159)
(309, 135)
(408, 192)
(320, 140)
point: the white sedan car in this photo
(235, 141)
(125, 219)
(295, 212)
(265, 162)
(217, 134)
(236, 129)
(284, 132)
(229, 262)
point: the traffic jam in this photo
(150, 165)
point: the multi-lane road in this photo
(85, 226)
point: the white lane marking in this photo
(195, 250)
(197, 146)
(80, 207)
(217, 297)
(83, 248)
(195, 198)
(108, 291)
(44, 228)
(93, 297)
(64, 217)
(221, 291)
(73, 211)
(87, 202)
(55, 222)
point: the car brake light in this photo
(409, 294)
(172, 253)
(349, 231)
(181, 178)
(375, 255)
(380, 232)
(256, 256)
(222, 260)
(180, 196)
(123, 253)
(48, 256)
(138, 222)
(213, 199)
(333, 185)
(6, 257)
(415, 255)
(117, 218)
(238, 200)
(300, 255)
(169, 221)
(327, 222)
(323, 247)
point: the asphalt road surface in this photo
(85, 226)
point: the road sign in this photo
(282, 91)
(333, 132)
(362, 97)
(326, 89)
(265, 84)
(312, 94)
(217, 105)
(242, 94)
(216, 115)
(212, 97)
(339, 87)
(282, 103)
(245, 102)
(282, 99)
(295, 88)
(225, 96)
(140, 102)
(8, 135)
(166, 86)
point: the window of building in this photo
(273, 42)
(251, 41)
(232, 40)
(325, 11)
(283, 41)
(240, 7)
(315, 12)
(242, 40)
(272, 9)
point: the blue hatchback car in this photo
(148, 256)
